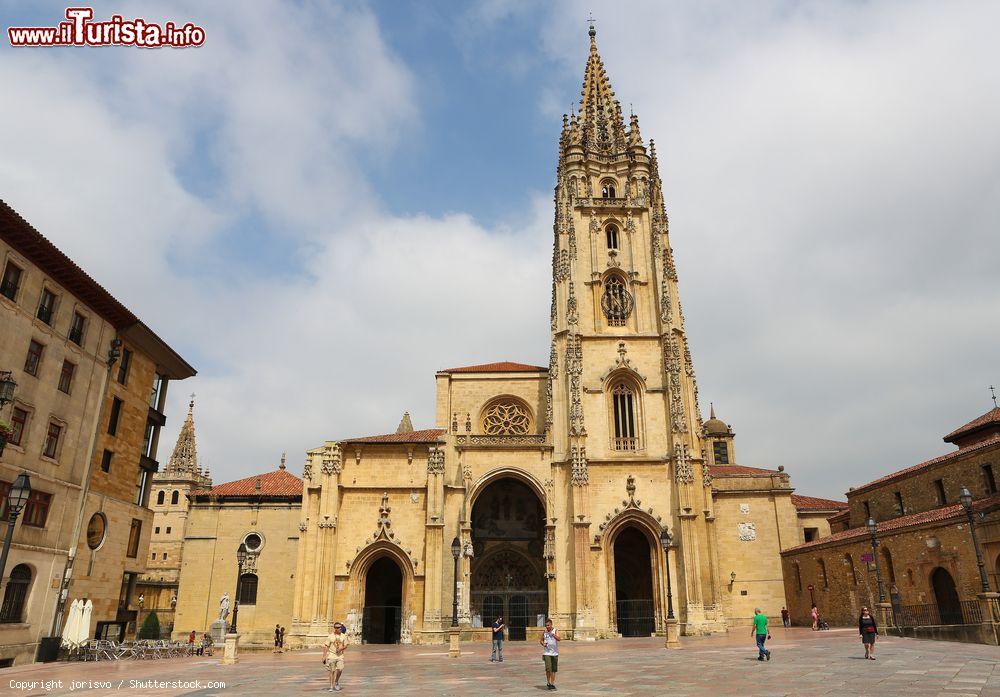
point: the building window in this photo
(248, 590)
(116, 414)
(36, 511)
(76, 329)
(506, 418)
(106, 460)
(608, 190)
(147, 440)
(890, 570)
(52, 440)
(133, 539)
(14, 597)
(849, 562)
(868, 510)
(899, 503)
(123, 367)
(168, 529)
(254, 542)
(942, 499)
(175, 497)
(623, 416)
(19, 424)
(97, 530)
(798, 576)
(4, 490)
(154, 395)
(616, 302)
(164, 556)
(156, 530)
(989, 480)
(142, 483)
(11, 280)
(66, 377)
(822, 574)
(611, 233)
(721, 452)
(810, 534)
(46, 306)
(34, 358)
(153, 556)
(159, 500)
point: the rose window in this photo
(506, 419)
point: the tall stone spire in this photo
(600, 113)
(184, 459)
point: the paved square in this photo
(804, 663)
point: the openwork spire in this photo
(603, 128)
(184, 459)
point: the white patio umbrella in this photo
(83, 629)
(71, 627)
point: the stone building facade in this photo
(85, 420)
(925, 553)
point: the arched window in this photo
(890, 572)
(608, 189)
(14, 598)
(849, 562)
(160, 496)
(617, 302)
(624, 416)
(611, 232)
(248, 589)
(822, 573)
(798, 576)
(174, 497)
(506, 417)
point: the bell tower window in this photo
(612, 236)
(608, 189)
(624, 416)
(617, 302)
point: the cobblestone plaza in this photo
(804, 663)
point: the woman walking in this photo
(868, 630)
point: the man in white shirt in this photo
(550, 654)
(333, 655)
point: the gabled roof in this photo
(990, 418)
(501, 367)
(812, 503)
(730, 470)
(430, 435)
(932, 516)
(994, 441)
(280, 482)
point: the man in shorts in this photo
(550, 654)
(333, 655)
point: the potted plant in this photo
(6, 433)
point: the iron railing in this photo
(380, 624)
(520, 610)
(635, 618)
(966, 612)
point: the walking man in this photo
(333, 655)
(760, 632)
(784, 618)
(277, 638)
(550, 654)
(498, 627)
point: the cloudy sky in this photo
(325, 204)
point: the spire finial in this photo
(993, 392)
(592, 32)
(282, 465)
(711, 408)
(191, 403)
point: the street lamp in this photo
(456, 552)
(667, 540)
(873, 531)
(18, 495)
(965, 497)
(7, 387)
(241, 558)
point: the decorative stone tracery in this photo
(506, 418)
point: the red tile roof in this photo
(729, 470)
(430, 435)
(811, 503)
(927, 464)
(501, 367)
(277, 483)
(990, 418)
(932, 516)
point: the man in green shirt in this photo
(760, 632)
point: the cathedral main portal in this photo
(508, 571)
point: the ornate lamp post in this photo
(453, 648)
(18, 495)
(241, 558)
(965, 497)
(7, 387)
(873, 532)
(672, 641)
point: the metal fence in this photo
(966, 612)
(520, 610)
(635, 618)
(380, 624)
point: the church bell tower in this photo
(622, 395)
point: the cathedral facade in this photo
(588, 490)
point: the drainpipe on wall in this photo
(113, 353)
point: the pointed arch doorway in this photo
(507, 570)
(635, 611)
(946, 596)
(383, 609)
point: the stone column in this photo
(433, 546)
